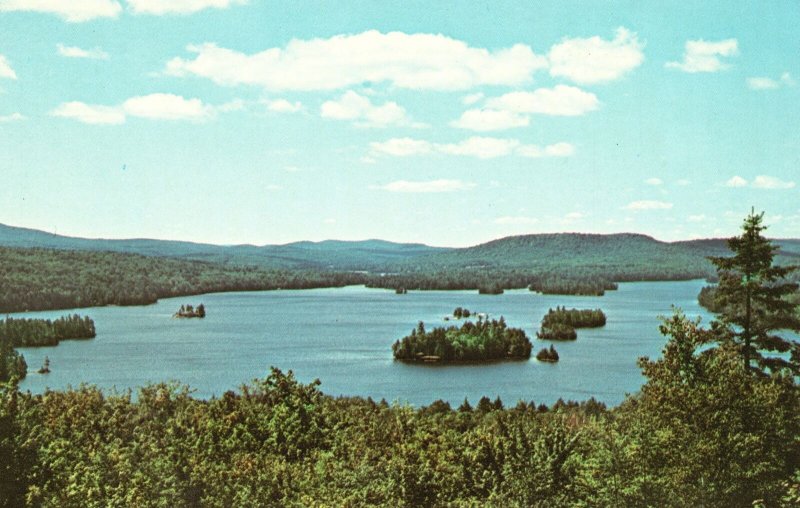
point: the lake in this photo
(343, 336)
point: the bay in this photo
(343, 337)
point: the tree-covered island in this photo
(547, 354)
(484, 340)
(560, 323)
(189, 311)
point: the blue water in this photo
(344, 337)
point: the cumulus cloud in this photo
(159, 7)
(596, 60)
(654, 181)
(283, 106)
(515, 220)
(483, 120)
(765, 83)
(771, 182)
(13, 117)
(556, 150)
(562, 100)
(73, 11)
(412, 61)
(5, 68)
(705, 56)
(90, 113)
(165, 106)
(401, 147)
(360, 109)
(736, 181)
(157, 106)
(427, 186)
(647, 205)
(697, 218)
(76, 52)
(480, 147)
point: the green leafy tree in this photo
(752, 296)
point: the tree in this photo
(752, 295)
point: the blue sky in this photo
(447, 123)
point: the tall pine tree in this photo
(752, 297)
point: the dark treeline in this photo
(12, 363)
(41, 279)
(27, 332)
(483, 340)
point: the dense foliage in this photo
(474, 341)
(461, 312)
(27, 332)
(39, 279)
(12, 363)
(700, 433)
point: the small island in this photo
(45, 369)
(401, 291)
(547, 355)
(188, 311)
(560, 324)
(481, 341)
(461, 312)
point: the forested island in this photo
(547, 355)
(189, 311)
(560, 323)
(484, 340)
(26, 332)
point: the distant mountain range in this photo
(624, 252)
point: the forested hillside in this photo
(39, 279)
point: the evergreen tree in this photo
(752, 298)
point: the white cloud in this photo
(157, 106)
(13, 117)
(654, 181)
(361, 110)
(515, 220)
(704, 56)
(274, 187)
(483, 120)
(165, 106)
(90, 113)
(765, 83)
(480, 147)
(697, 218)
(159, 7)
(472, 98)
(5, 68)
(770, 182)
(682, 182)
(562, 100)
(428, 186)
(413, 61)
(736, 181)
(401, 147)
(329, 220)
(762, 83)
(574, 216)
(283, 106)
(476, 146)
(76, 52)
(556, 150)
(74, 11)
(647, 205)
(595, 60)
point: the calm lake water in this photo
(344, 337)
